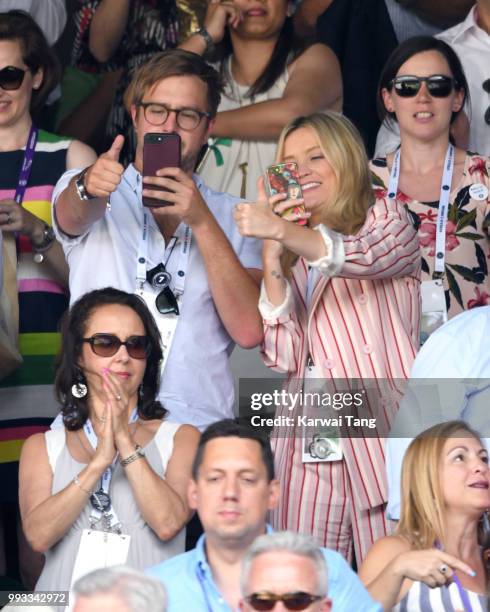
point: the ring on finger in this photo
(443, 568)
(118, 397)
(9, 218)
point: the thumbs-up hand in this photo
(258, 219)
(105, 175)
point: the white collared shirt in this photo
(472, 44)
(197, 385)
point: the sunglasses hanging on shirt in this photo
(408, 86)
(486, 88)
(160, 279)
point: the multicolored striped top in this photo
(27, 404)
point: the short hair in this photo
(287, 541)
(234, 428)
(422, 505)
(406, 50)
(140, 592)
(174, 62)
(35, 49)
(75, 410)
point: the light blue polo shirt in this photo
(190, 585)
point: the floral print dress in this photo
(466, 278)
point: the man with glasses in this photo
(233, 488)
(198, 276)
(284, 567)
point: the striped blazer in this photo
(362, 323)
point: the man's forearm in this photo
(75, 216)
(235, 292)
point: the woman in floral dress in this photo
(424, 110)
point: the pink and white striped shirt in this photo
(362, 322)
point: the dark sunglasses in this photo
(11, 77)
(159, 278)
(291, 601)
(107, 345)
(408, 86)
(486, 88)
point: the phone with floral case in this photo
(284, 178)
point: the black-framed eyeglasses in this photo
(408, 86)
(187, 118)
(486, 88)
(107, 345)
(292, 601)
(11, 77)
(159, 278)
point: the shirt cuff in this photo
(268, 310)
(332, 262)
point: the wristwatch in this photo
(210, 46)
(82, 192)
(44, 245)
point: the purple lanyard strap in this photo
(26, 167)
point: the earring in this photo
(141, 392)
(79, 388)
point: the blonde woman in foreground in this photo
(436, 559)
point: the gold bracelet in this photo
(76, 481)
(138, 454)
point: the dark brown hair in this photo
(36, 52)
(75, 410)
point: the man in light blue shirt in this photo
(458, 356)
(232, 489)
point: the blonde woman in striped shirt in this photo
(438, 559)
(342, 294)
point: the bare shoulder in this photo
(382, 552)
(188, 435)
(317, 52)
(79, 155)
(34, 448)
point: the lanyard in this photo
(442, 211)
(179, 278)
(26, 167)
(105, 481)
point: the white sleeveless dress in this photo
(146, 548)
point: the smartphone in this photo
(159, 151)
(284, 178)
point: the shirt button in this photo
(367, 348)
(329, 364)
(363, 299)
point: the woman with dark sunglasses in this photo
(115, 465)
(31, 162)
(423, 88)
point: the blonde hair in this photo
(422, 505)
(343, 147)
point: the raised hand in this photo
(105, 175)
(218, 16)
(106, 449)
(118, 401)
